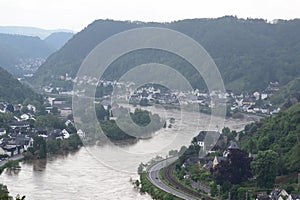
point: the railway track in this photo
(168, 175)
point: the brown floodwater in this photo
(104, 172)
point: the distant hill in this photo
(17, 51)
(12, 91)
(30, 31)
(58, 39)
(249, 53)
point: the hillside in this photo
(16, 51)
(289, 94)
(12, 91)
(58, 39)
(249, 53)
(69, 58)
(280, 134)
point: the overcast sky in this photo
(77, 14)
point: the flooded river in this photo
(102, 172)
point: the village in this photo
(257, 102)
(220, 155)
(18, 130)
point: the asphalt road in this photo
(153, 176)
(16, 157)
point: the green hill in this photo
(12, 91)
(289, 94)
(280, 134)
(249, 53)
(17, 49)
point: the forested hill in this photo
(58, 39)
(280, 134)
(16, 49)
(249, 53)
(12, 91)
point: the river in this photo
(101, 172)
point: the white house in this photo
(31, 108)
(2, 131)
(69, 122)
(81, 133)
(24, 117)
(279, 194)
(200, 139)
(256, 95)
(65, 133)
(264, 96)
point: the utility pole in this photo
(247, 195)
(229, 196)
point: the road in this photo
(153, 176)
(16, 157)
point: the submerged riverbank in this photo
(101, 172)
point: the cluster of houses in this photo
(20, 137)
(63, 106)
(154, 95)
(257, 103)
(17, 135)
(68, 89)
(206, 144)
(210, 142)
(29, 65)
(278, 194)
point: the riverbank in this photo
(3, 164)
(16, 157)
(153, 191)
(97, 172)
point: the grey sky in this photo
(77, 14)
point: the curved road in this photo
(153, 176)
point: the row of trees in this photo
(41, 147)
(147, 121)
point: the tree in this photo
(53, 146)
(12, 165)
(265, 167)
(101, 113)
(18, 197)
(144, 102)
(10, 108)
(141, 168)
(55, 111)
(49, 121)
(74, 141)
(40, 147)
(213, 189)
(235, 170)
(4, 193)
(24, 109)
